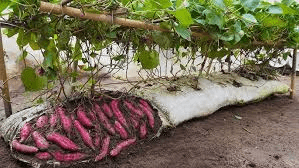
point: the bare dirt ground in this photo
(266, 136)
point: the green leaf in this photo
(148, 59)
(249, 18)
(288, 10)
(214, 18)
(23, 55)
(250, 4)
(183, 32)
(200, 21)
(33, 42)
(10, 32)
(31, 81)
(219, 3)
(23, 38)
(182, 67)
(184, 16)
(3, 5)
(125, 2)
(118, 57)
(163, 39)
(275, 9)
(270, 20)
(154, 5)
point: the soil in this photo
(261, 135)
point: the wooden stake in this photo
(293, 77)
(3, 78)
(74, 12)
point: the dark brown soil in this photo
(261, 135)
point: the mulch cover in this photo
(98, 129)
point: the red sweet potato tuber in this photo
(148, 111)
(84, 134)
(25, 132)
(121, 130)
(142, 130)
(42, 121)
(121, 146)
(107, 110)
(97, 140)
(104, 149)
(68, 157)
(104, 120)
(40, 141)
(66, 122)
(133, 109)
(117, 113)
(53, 120)
(43, 156)
(62, 141)
(82, 117)
(23, 148)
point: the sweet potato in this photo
(134, 122)
(42, 121)
(62, 141)
(68, 157)
(92, 116)
(84, 134)
(23, 148)
(84, 120)
(25, 132)
(133, 108)
(117, 113)
(43, 156)
(148, 112)
(40, 141)
(142, 130)
(105, 121)
(104, 149)
(121, 146)
(66, 122)
(107, 110)
(97, 140)
(121, 130)
(53, 120)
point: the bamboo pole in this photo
(59, 9)
(293, 77)
(3, 78)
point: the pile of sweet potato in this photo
(87, 129)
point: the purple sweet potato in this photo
(62, 141)
(25, 132)
(104, 149)
(84, 134)
(133, 108)
(119, 147)
(40, 141)
(68, 157)
(107, 110)
(82, 117)
(104, 120)
(97, 140)
(142, 130)
(43, 156)
(53, 120)
(66, 121)
(117, 113)
(120, 130)
(148, 111)
(42, 121)
(23, 148)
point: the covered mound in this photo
(83, 130)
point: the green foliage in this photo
(229, 24)
(148, 59)
(31, 81)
